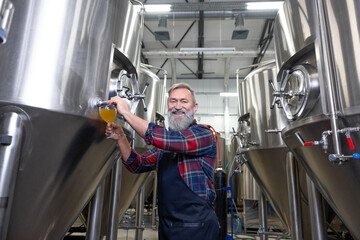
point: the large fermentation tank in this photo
(317, 51)
(56, 61)
(261, 145)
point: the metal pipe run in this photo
(207, 53)
(329, 76)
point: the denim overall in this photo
(183, 214)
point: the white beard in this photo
(184, 123)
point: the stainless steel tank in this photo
(56, 61)
(261, 146)
(244, 184)
(317, 46)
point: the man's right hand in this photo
(121, 105)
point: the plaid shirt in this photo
(195, 147)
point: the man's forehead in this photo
(180, 91)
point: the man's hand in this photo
(121, 105)
(138, 124)
(116, 129)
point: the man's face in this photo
(181, 109)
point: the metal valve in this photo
(276, 95)
(341, 158)
(282, 94)
(137, 96)
(336, 158)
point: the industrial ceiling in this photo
(207, 39)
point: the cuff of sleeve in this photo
(149, 133)
(131, 158)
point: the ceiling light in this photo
(228, 94)
(263, 5)
(157, 7)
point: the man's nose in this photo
(178, 105)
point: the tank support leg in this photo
(140, 214)
(294, 204)
(96, 208)
(114, 201)
(11, 138)
(317, 215)
(263, 216)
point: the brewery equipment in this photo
(317, 47)
(57, 62)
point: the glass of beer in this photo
(108, 114)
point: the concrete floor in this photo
(150, 234)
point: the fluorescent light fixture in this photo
(263, 5)
(228, 94)
(157, 7)
(206, 49)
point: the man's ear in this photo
(195, 107)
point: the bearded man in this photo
(184, 157)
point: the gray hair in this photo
(183, 85)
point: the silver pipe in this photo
(263, 216)
(325, 55)
(142, 18)
(114, 201)
(317, 214)
(154, 203)
(294, 204)
(214, 14)
(140, 213)
(11, 133)
(207, 53)
(93, 232)
(253, 65)
(226, 106)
